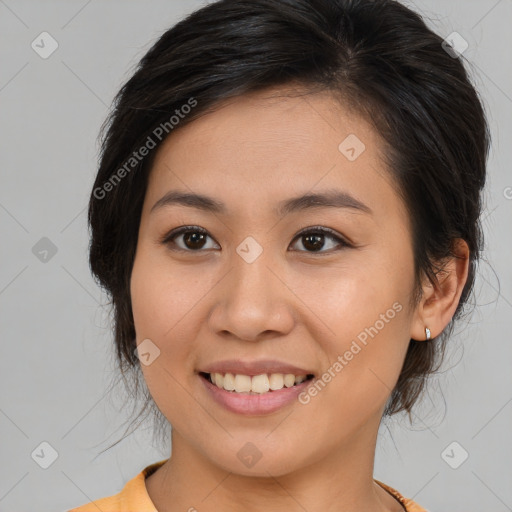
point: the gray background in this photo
(56, 362)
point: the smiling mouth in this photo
(255, 385)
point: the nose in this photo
(252, 302)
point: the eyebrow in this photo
(329, 199)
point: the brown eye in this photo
(193, 238)
(314, 240)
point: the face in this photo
(319, 288)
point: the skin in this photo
(291, 303)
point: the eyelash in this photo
(168, 239)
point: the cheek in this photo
(364, 361)
(366, 309)
(160, 304)
(162, 296)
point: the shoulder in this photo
(107, 504)
(408, 504)
(133, 496)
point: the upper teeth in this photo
(257, 384)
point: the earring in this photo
(427, 333)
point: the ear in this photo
(438, 303)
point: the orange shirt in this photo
(134, 497)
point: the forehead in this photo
(261, 147)
(296, 124)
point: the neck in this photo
(342, 481)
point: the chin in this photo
(260, 458)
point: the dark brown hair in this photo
(378, 57)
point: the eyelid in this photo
(340, 239)
(344, 241)
(167, 238)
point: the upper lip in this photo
(252, 368)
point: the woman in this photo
(286, 216)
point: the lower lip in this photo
(253, 404)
